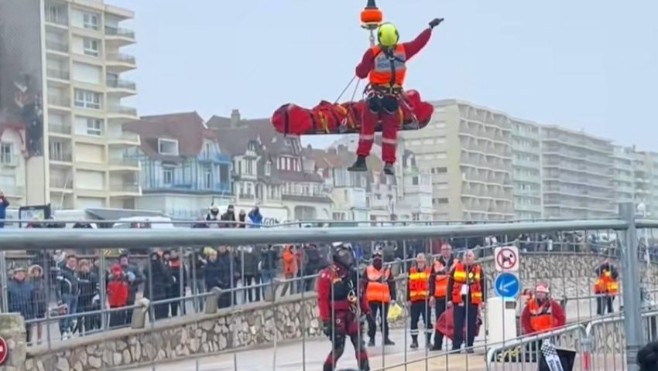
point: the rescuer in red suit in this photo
(343, 306)
(385, 67)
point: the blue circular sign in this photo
(507, 285)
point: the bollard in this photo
(212, 301)
(269, 292)
(139, 314)
(12, 331)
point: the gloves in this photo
(435, 22)
(328, 328)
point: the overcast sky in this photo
(586, 64)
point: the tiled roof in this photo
(187, 128)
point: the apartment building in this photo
(183, 169)
(467, 149)
(527, 167)
(61, 68)
(645, 174)
(577, 175)
(623, 175)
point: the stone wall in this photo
(12, 329)
(291, 317)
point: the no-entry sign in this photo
(507, 259)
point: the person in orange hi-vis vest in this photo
(606, 287)
(385, 67)
(418, 294)
(290, 269)
(467, 290)
(439, 278)
(379, 287)
(541, 314)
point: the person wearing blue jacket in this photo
(19, 298)
(4, 204)
(255, 218)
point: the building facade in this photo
(623, 175)
(62, 88)
(270, 169)
(527, 170)
(467, 149)
(183, 169)
(645, 172)
(577, 175)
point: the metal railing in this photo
(569, 277)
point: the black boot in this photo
(389, 342)
(371, 343)
(359, 165)
(364, 365)
(414, 342)
(438, 341)
(388, 169)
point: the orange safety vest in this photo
(461, 277)
(541, 317)
(378, 290)
(605, 284)
(419, 284)
(388, 70)
(441, 280)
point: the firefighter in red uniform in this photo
(343, 307)
(385, 67)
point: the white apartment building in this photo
(467, 149)
(75, 143)
(416, 189)
(577, 174)
(623, 175)
(526, 163)
(645, 173)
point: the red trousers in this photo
(346, 324)
(390, 124)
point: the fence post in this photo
(630, 289)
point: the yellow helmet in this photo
(387, 35)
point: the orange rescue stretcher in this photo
(345, 118)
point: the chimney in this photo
(235, 118)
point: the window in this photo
(414, 181)
(268, 168)
(442, 201)
(6, 153)
(91, 47)
(208, 149)
(56, 151)
(168, 176)
(168, 147)
(208, 179)
(94, 127)
(250, 167)
(249, 190)
(91, 21)
(87, 99)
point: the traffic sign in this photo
(506, 259)
(4, 351)
(507, 285)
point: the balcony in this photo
(121, 163)
(59, 129)
(122, 111)
(114, 83)
(12, 191)
(121, 36)
(57, 19)
(125, 188)
(61, 183)
(123, 138)
(58, 74)
(118, 62)
(57, 46)
(59, 101)
(316, 196)
(61, 157)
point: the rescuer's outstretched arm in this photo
(412, 48)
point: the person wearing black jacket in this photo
(249, 259)
(227, 275)
(229, 216)
(88, 285)
(158, 280)
(68, 291)
(178, 280)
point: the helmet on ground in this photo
(387, 35)
(343, 254)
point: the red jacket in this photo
(326, 279)
(559, 317)
(117, 293)
(411, 48)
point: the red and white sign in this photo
(4, 351)
(506, 258)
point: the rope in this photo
(345, 89)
